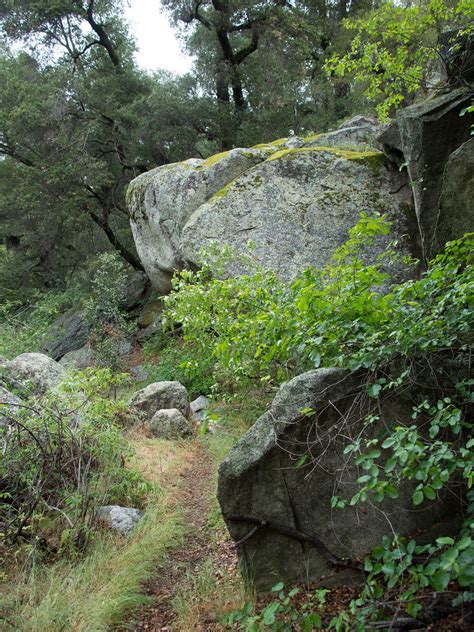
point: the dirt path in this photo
(192, 494)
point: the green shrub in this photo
(24, 325)
(63, 455)
(181, 361)
(415, 336)
(256, 327)
(105, 310)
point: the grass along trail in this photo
(197, 579)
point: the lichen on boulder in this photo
(296, 199)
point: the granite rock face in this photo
(258, 480)
(296, 199)
(430, 132)
(456, 205)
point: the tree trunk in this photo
(124, 252)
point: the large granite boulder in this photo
(35, 373)
(295, 199)
(426, 135)
(162, 200)
(260, 481)
(159, 396)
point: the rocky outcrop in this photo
(295, 199)
(426, 138)
(159, 396)
(34, 373)
(170, 423)
(311, 418)
(456, 205)
(68, 333)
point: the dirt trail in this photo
(192, 495)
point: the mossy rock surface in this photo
(295, 198)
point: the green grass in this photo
(105, 588)
(97, 592)
(102, 589)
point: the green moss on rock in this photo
(212, 160)
(374, 159)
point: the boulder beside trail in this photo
(34, 372)
(200, 407)
(260, 481)
(169, 423)
(159, 396)
(121, 519)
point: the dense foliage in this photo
(349, 314)
(63, 455)
(402, 48)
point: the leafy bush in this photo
(63, 455)
(183, 362)
(281, 614)
(256, 327)
(398, 337)
(393, 47)
(104, 310)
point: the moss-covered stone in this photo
(212, 160)
(359, 156)
(151, 312)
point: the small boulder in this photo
(160, 395)
(170, 424)
(121, 519)
(35, 372)
(78, 359)
(199, 407)
(139, 373)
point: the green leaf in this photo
(429, 493)
(444, 541)
(312, 622)
(440, 579)
(270, 612)
(417, 497)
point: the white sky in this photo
(158, 47)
